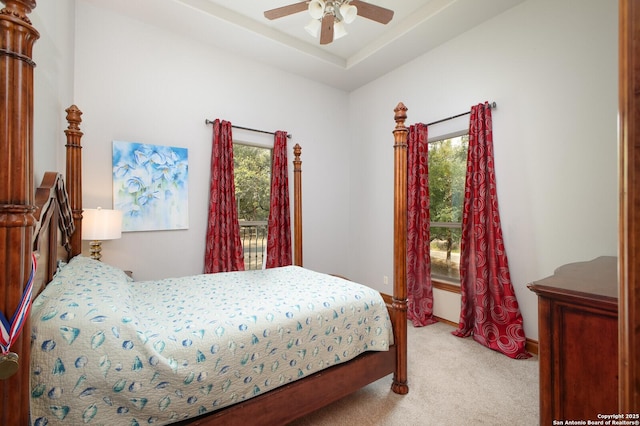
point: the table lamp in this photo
(99, 225)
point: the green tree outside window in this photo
(447, 170)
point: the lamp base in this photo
(96, 248)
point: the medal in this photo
(8, 365)
(10, 330)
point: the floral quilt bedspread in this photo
(107, 350)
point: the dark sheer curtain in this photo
(420, 290)
(490, 311)
(223, 250)
(279, 233)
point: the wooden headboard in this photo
(59, 208)
(49, 245)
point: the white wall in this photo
(139, 83)
(52, 81)
(551, 66)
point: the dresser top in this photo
(597, 278)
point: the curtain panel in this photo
(223, 249)
(419, 288)
(490, 311)
(279, 227)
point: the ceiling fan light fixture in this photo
(339, 30)
(348, 12)
(330, 16)
(313, 27)
(316, 9)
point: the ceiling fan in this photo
(329, 16)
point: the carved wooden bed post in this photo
(399, 303)
(17, 37)
(297, 207)
(74, 175)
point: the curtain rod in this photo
(491, 105)
(207, 121)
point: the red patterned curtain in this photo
(279, 233)
(420, 291)
(489, 307)
(223, 251)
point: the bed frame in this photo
(33, 221)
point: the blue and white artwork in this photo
(150, 186)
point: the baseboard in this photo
(446, 321)
(531, 345)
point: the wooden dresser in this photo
(578, 341)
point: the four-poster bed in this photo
(42, 224)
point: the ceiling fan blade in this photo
(280, 12)
(373, 12)
(326, 31)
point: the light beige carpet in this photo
(452, 381)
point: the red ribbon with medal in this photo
(10, 331)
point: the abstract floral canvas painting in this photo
(150, 186)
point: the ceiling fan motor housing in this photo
(341, 10)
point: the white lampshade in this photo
(101, 224)
(316, 9)
(339, 30)
(313, 27)
(348, 12)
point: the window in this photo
(252, 173)
(447, 170)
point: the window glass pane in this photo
(252, 174)
(447, 171)
(447, 168)
(445, 253)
